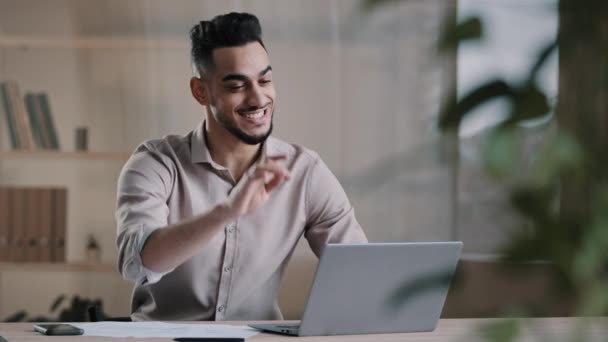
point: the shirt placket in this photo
(227, 269)
(227, 272)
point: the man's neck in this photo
(228, 151)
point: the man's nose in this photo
(255, 97)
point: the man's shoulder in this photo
(166, 144)
(292, 150)
(170, 146)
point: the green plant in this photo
(570, 170)
(76, 311)
(564, 195)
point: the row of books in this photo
(28, 119)
(32, 224)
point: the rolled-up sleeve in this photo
(144, 186)
(330, 216)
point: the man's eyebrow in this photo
(265, 71)
(235, 77)
(243, 78)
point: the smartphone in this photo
(58, 329)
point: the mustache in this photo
(253, 108)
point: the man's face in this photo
(242, 92)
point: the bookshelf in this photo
(93, 81)
(124, 87)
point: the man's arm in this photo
(148, 246)
(331, 218)
(167, 248)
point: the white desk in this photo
(453, 330)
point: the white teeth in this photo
(255, 115)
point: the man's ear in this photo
(199, 91)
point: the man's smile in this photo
(257, 117)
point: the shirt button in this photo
(227, 269)
(221, 308)
(230, 229)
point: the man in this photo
(208, 221)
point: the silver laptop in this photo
(357, 288)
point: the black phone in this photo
(58, 329)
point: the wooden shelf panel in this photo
(58, 155)
(56, 267)
(26, 42)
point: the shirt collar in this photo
(200, 151)
(198, 146)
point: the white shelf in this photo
(133, 42)
(56, 267)
(59, 155)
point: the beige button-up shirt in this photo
(236, 276)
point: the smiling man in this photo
(208, 221)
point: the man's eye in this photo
(265, 81)
(235, 87)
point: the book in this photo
(47, 122)
(21, 118)
(9, 115)
(34, 110)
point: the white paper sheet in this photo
(162, 329)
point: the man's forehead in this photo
(250, 59)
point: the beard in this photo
(248, 139)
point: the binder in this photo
(5, 222)
(32, 223)
(16, 229)
(45, 225)
(59, 224)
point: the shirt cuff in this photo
(135, 265)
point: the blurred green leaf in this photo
(542, 58)
(600, 203)
(501, 331)
(57, 302)
(468, 29)
(534, 202)
(595, 300)
(453, 113)
(16, 317)
(593, 255)
(77, 311)
(561, 152)
(500, 152)
(522, 247)
(529, 102)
